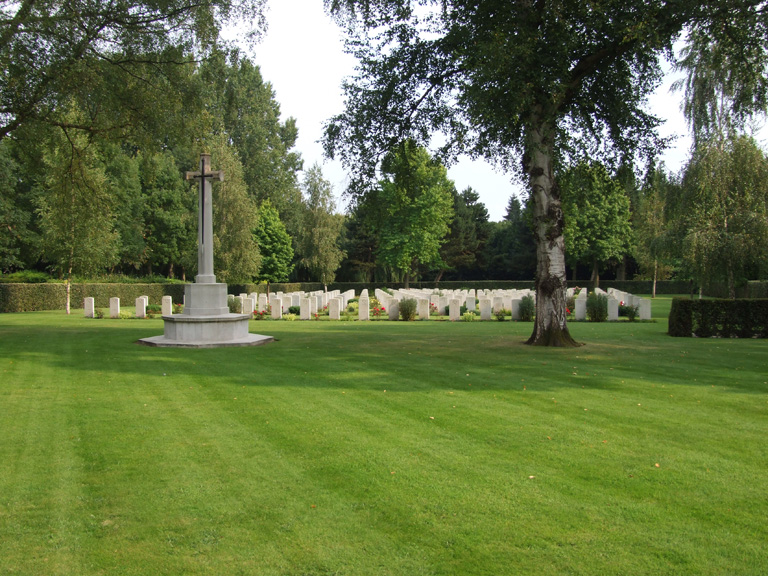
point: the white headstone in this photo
(393, 309)
(114, 307)
(470, 303)
(141, 307)
(364, 311)
(644, 309)
(613, 309)
(581, 308)
(248, 306)
(423, 308)
(167, 306)
(262, 302)
(334, 308)
(485, 309)
(454, 309)
(277, 309)
(305, 311)
(498, 303)
(90, 309)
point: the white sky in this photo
(302, 57)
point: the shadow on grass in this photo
(397, 356)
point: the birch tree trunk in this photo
(550, 327)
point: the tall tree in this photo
(321, 227)
(14, 219)
(510, 253)
(512, 79)
(723, 211)
(106, 53)
(416, 202)
(651, 225)
(463, 250)
(725, 66)
(170, 226)
(75, 209)
(243, 106)
(274, 244)
(235, 250)
(597, 217)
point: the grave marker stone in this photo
(89, 306)
(114, 307)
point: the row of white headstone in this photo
(114, 307)
(278, 303)
(615, 297)
(448, 302)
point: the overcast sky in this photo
(303, 57)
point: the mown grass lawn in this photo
(346, 448)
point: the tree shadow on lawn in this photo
(398, 356)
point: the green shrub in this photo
(597, 307)
(26, 277)
(234, 305)
(408, 309)
(501, 314)
(719, 318)
(527, 308)
(631, 312)
(468, 317)
(295, 310)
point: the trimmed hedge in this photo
(719, 318)
(53, 296)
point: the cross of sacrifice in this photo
(205, 216)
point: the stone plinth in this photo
(205, 300)
(206, 322)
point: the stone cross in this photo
(204, 220)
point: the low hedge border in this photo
(719, 318)
(53, 296)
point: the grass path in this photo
(380, 448)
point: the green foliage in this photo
(501, 315)
(722, 212)
(296, 310)
(236, 253)
(52, 296)
(274, 244)
(75, 209)
(122, 61)
(26, 276)
(246, 107)
(629, 311)
(415, 205)
(652, 227)
(320, 231)
(14, 219)
(527, 308)
(719, 318)
(464, 246)
(408, 309)
(597, 307)
(234, 306)
(169, 219)
(468, 316)
(597, 216)
(510, 252)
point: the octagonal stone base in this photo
(183, 331)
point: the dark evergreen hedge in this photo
(53, 296)
(719, 318)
